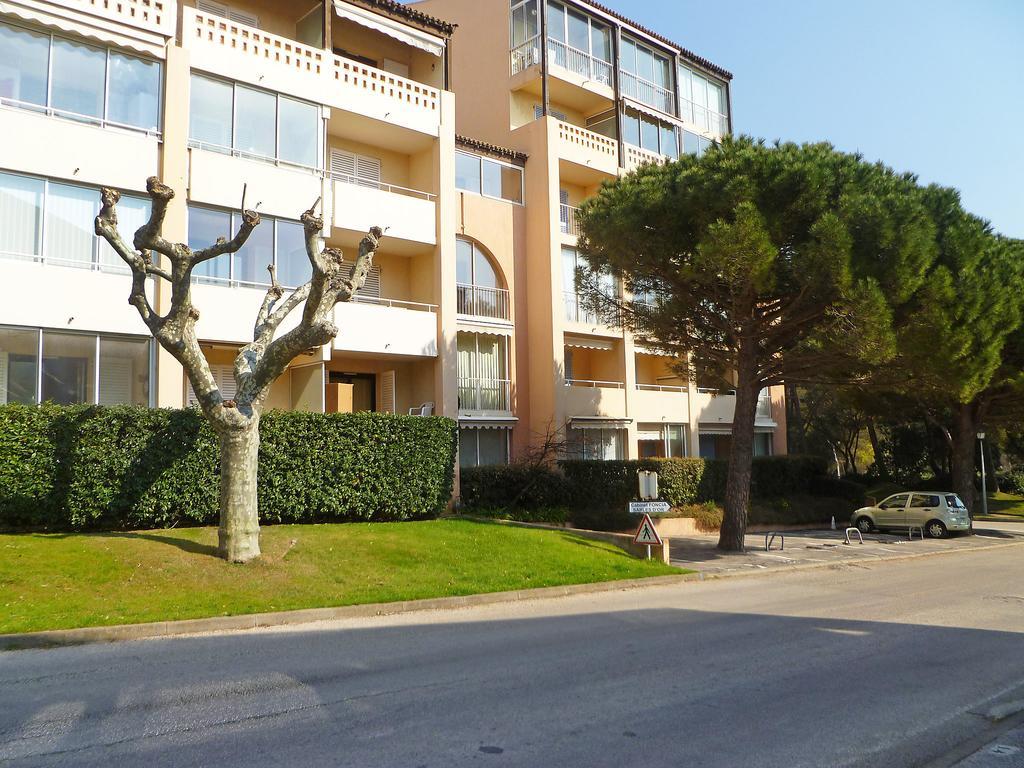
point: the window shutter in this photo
(223, 377)
(116, 381)
(387, 392)
(244, 18)
(371, 288)
(359, 169)
(232, 14)
(206, 6)
(3, 378)
(538, 113)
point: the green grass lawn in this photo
(60, 581)
(1005, 504)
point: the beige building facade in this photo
(472, 144)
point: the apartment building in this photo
(471, 310)
(284, 102)
(584, 95)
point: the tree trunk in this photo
(741, 456)
(962, 456)
(794, 419)
(876, 449)
(239, 534)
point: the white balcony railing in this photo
(706, 120)
(646, 92)
(660, 388)
(595, 384)
(481, 301)
(485, 395)
(635, 157)
(576, 311)
(158, 16)
(251, 55)
(525, 55)
(579, 62)
(408, 214)
(567, 220)
(361, 181)
(588, 148)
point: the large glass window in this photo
(641, 130)
(646, 75)
(491, 178)
(69, 368)
(134, 97)
(274, 241)
(77, 80)
(525, 21)
(483, 447)
(24, 62)
(70, 213)
(703, 102)
(21, 214)
(593, 444)
(249, 121)
(479, 285)
(19, 360)
(579, 43)
(124, 371)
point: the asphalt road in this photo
(888, 664)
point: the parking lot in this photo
(823, 547)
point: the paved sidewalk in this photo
(823, 547)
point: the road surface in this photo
(887, 664)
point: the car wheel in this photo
(864, 525)
(936, 529)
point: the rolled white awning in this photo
(582, 342)
(484, 329)
(598, 422)
(417, 38)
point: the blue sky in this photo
(935, 87)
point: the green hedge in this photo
(89, 467)
(512, 487)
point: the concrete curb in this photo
(168, 629)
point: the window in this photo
(227, 12)
(490, 178)
(355, 169)
(579, 43)
(646, 75)
(253, 123)
(762, 443)
(644, 131)
(662, 440)
(895, 502)
(703, 102)
(51, 221)
(75, 368)
(79, 81)
(480, 288)
(925, 501)
(953, 502)
(525, 21)
(484, 384)
(275, 241)
(594, 444)
(482, 447)
(575, 308)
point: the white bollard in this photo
(833, 522)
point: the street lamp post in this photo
(984, 487)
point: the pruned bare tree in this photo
(258, 363)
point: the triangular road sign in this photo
(647, 533)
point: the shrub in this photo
(554, 515)
(512, 487)
(89, 467)
(1012, 482)
(707, 516)
(839, 488)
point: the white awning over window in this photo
(583, 342)
(483, 422)
(409, 35)
(149, 42)
(598, 422)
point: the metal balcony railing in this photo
(661, 388)
(595, 384)
(647, 92)
(480, 301)
(485, 395)
(567, 220)
(579, 62)
(525, 55)
(576, 311)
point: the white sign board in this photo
(647, 533)
(649, 507)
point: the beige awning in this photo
(585, 342)
(417, 38)
(598, 422)
(650, 111)
(81, 23)
(466, 326)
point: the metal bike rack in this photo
(911, 529)
(854, 530)
(769, 541)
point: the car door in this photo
(892, 511)
(923, 507)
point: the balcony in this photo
(481, 302)
(407, 213)
(567, 220)
(588, 149)
(635, 157)
(485, 395)
(579, 62)
(387, 327)
(150, 22)
(657, 403)
(595, 398)
(250, 55)
(646, 92)
(714, 407)
(576, 311)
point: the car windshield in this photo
(953, 502)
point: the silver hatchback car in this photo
(936, 512)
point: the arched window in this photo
(481, 292)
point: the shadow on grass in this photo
(192, 547)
